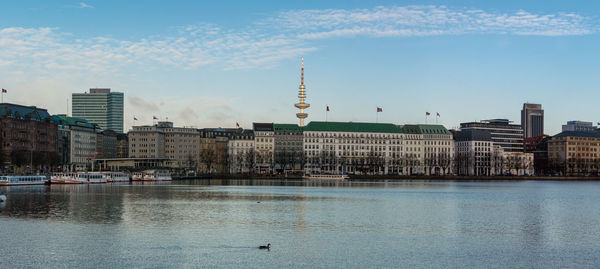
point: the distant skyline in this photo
(217, 63)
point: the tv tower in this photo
(301, 96)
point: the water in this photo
(335, 225)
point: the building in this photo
(107, 145)
(29, 137)
(530, 144)
(532, 120)
(437, 147)
(148, 141)
(475, 153)
(352, 148)
(82, 141)
(503, 133)
(122, 146)
(288, 151)
(100, 106)
(264, 147)
(301, 105)
(579, 126)
(574, 153)
(241, 152)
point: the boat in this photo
(116, 177)
(78, 178)
(22, 180)
(138, 176)
(157, 175)
(325, 177)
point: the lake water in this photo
(336, 225)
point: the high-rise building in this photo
(100, 106)
(532, 120)
(504, 134)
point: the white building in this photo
(352, 147)
(432, 146)
(240, 149)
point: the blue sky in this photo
(215, 63)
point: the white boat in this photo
(157, 175)
(22, 180)
(138, 176)
(78, 178)
(116, 177)
(325, 177)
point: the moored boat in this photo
(325, 177)
(157, 175)
(22, 180)
(116, 177)
(78, 178)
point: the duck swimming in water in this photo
(268, 246)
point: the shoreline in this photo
(357, 178)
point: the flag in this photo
(327, 108)
(89, 153)
(237, 125)
(379, 109)
(437, 114)
(427, 113)
(4, 90)
(134, 118)
(154, 118)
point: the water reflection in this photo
(217, 222)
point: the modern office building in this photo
(100, 106)
(579, 126)
(503, 133)
(532, 120)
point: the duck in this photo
(268, 246)
(2, 198)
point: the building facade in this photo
(264, 147)
(574, 153)
(288, 151)
(503, 133)
(352, 148)
(29, 137)
(82, 139)
(148, 141)
(100, 106)
(437, 146)
(532, 120)
(241, 152)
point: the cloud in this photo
(404, 21)
(84, 5)
(142, 105)
(263, 44)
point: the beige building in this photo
(264, 147)
(575, 152)
(436, 146)
(148, 141)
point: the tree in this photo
(250, 160)
(208, 157)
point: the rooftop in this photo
(72, 121)
(365, 127)
(578, 134)
(425, 129)
(8, 110)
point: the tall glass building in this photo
(100, 106)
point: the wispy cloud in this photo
(84, 5)
(401, 21)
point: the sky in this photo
(215, 63)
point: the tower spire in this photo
(301, 96)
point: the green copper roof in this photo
(286, 128)
(365, 127)
(425, 129)
(72, 121)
